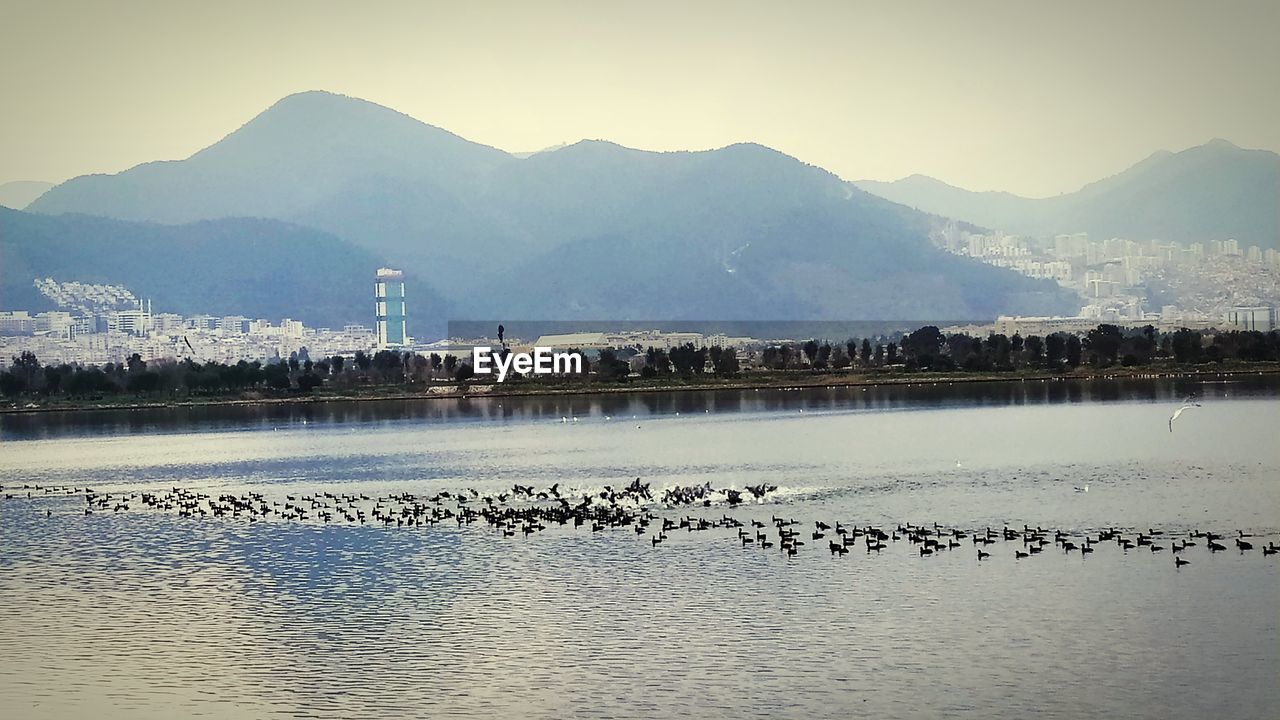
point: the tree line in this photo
(297, 373)
(925, 349)
(929, 349)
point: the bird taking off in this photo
(1190, 402)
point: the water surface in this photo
(144, 614)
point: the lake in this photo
(142, 613)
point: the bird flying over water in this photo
(1186, 404)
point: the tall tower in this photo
(388, 294)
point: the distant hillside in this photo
(1213, 191)
(256, 268)
(19, 193)
(589, 230)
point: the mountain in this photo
(240, 266)
(1212, 191)
(593, 230)
(19, 193)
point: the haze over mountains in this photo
(1212, 191)
(591, 231)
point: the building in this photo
(1251, 318)
(17, 322)
(388, 294)
(1042, 326)
(56, 324)
(233, 325)
(130, 322)
(580, 341)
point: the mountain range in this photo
(1212, 191)
(591, 231)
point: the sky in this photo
(1036, 98)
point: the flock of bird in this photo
(524, 510)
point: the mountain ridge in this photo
(1212, 191)
(465, 216)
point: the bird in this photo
(1179, 562)
(1186, 405)
(1083, 489)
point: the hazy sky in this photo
(1033, 97)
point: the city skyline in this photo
(865, 92)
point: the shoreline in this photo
(763, 381)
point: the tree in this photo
(11, 385)
(144, 382)
(998, 350)
(657, 360)
(309, 381)
(1103, 344)
(839, 360)
(275, 374)
(25, 366)
(1056, 349)
(1035, 349)
(811, 351)
(363, 361)
(866, 352)
(683, 359)
(1073, 351)
(53, 377)
(892, 354)
(769, 357)
(725, 362)
(337, 362)
(1187, 346)
(923, 346)
(610, 367)
(464, 372)
(824, 356)
(389, 365)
